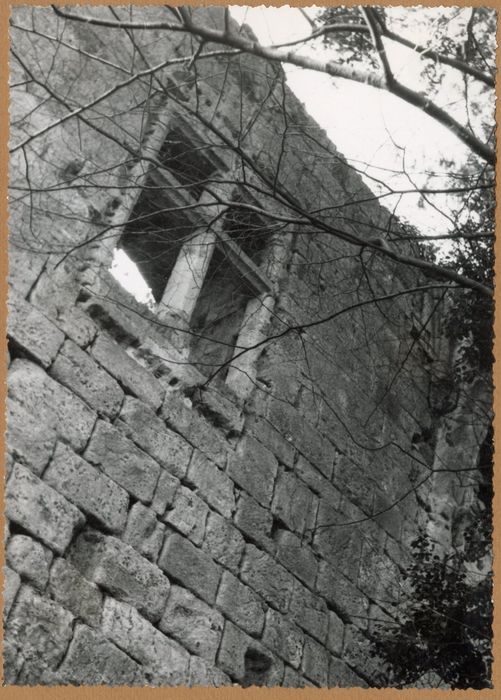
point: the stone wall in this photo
(164, 530)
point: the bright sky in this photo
(369, 126)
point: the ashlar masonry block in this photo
(294, 504)
(254, 468)
(246, 660)
(119, 569)
(40, 509)
(212, 484)
(30, 559)
(223, 542)
(69, 588)
(33, 331)
(193, 623)
(268, 578)
(283, 638)
(30, 442)
(164, 661)
(123, 462)
(240, 604)
(188, 514)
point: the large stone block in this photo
(30, 559)
(77, 370)
(193, 623)
(68, 587)
(152, 435)
(123, 462)
(240, 604)
(94, 660)
(203, 673)
(30, 441)
(12, 582)
(40, 631)
(315, 665)
(144, 532)
(342, 676)
(165, 492)
(246, 660)
(268, 578)
(342, 594)
(254, 468)
(255, 522)
(40, 510)
(294, 504)
(221, 410)
(164, 661)
(274, 441)
(88, 489)
(131, 375)
(52, 404)
(190, 566)
(223, 542)
(297, 557)
(212, 484)
(309, 611)
(283, 638)
(188, 514)
(119, 569)
(32, 331)
(335, 635)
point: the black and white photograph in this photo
(250, 346)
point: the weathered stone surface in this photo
(93, 660)
(203, 673)
(359, 654)
(309, 611)
(212, 484)
(191, 566)
(24, 267)
(12, 663)
(339, 543)
(292, 679)
(30, 559)
(68, 587)
(52, 404)
(188, 514)
(266, 577)
(164, 661)
(223, 542)
(193, 623)
(30, 442)
(12, 581)
(119, 569)
(77, 370)
(263, 431)
(297, 557)
(293, 503)
(33, 331)
(144, 532)
(88, 489)
(342, 676)
(335, 636)
(131, 375)
(240, 604)
(246, 660)
(254, 468)
(283, 638)
(255, 522)
(313, 478)
(315, 665)
(77, 325)
(220, 410)
(123, 462)
(40, 510)
(40, 631)
(165, 492)
(343, 595)
(152, 435)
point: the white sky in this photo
(366, 125)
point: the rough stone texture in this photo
(164, 662)
(223, 542)
(283, 638)
(297, 557)
(165, 492)
(76, 370)
(40, 630)
(240, 604)
(30, 559)
(343, 595)
(30, 441)
(253, 467)
(188, 514)
(32, 331)
(335, 635)
(315, 665)
(119, 569)
(40, 510)
(52, 404)
(309, 612)
(87, 488)
(93, 660)
(127, 371)
(293, 503)
(151, 434)
(193, 623)
(68, 587)
(212, 484)
(342, 676)
(254, 521)
(235, 647)
(123, 462)
(12, 581)
(144, 532)
(269, 579)
(191, 566)
(202, 673)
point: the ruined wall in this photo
(161, 530)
